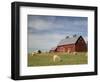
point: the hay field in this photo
(46, 59)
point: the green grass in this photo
(46, 59)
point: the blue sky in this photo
(45, 32)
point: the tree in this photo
(39, 51)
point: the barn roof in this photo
(69, 40)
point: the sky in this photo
(45, 32)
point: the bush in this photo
(39, 51)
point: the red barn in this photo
(72, 44)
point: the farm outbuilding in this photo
(72, 44)
(53, 49)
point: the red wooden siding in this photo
(65, 48)
(79, 46)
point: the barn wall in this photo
(81, 46)
(65, 48)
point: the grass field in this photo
(46, 59)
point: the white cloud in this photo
(86, 39)
(39, 24)
(44, 42)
